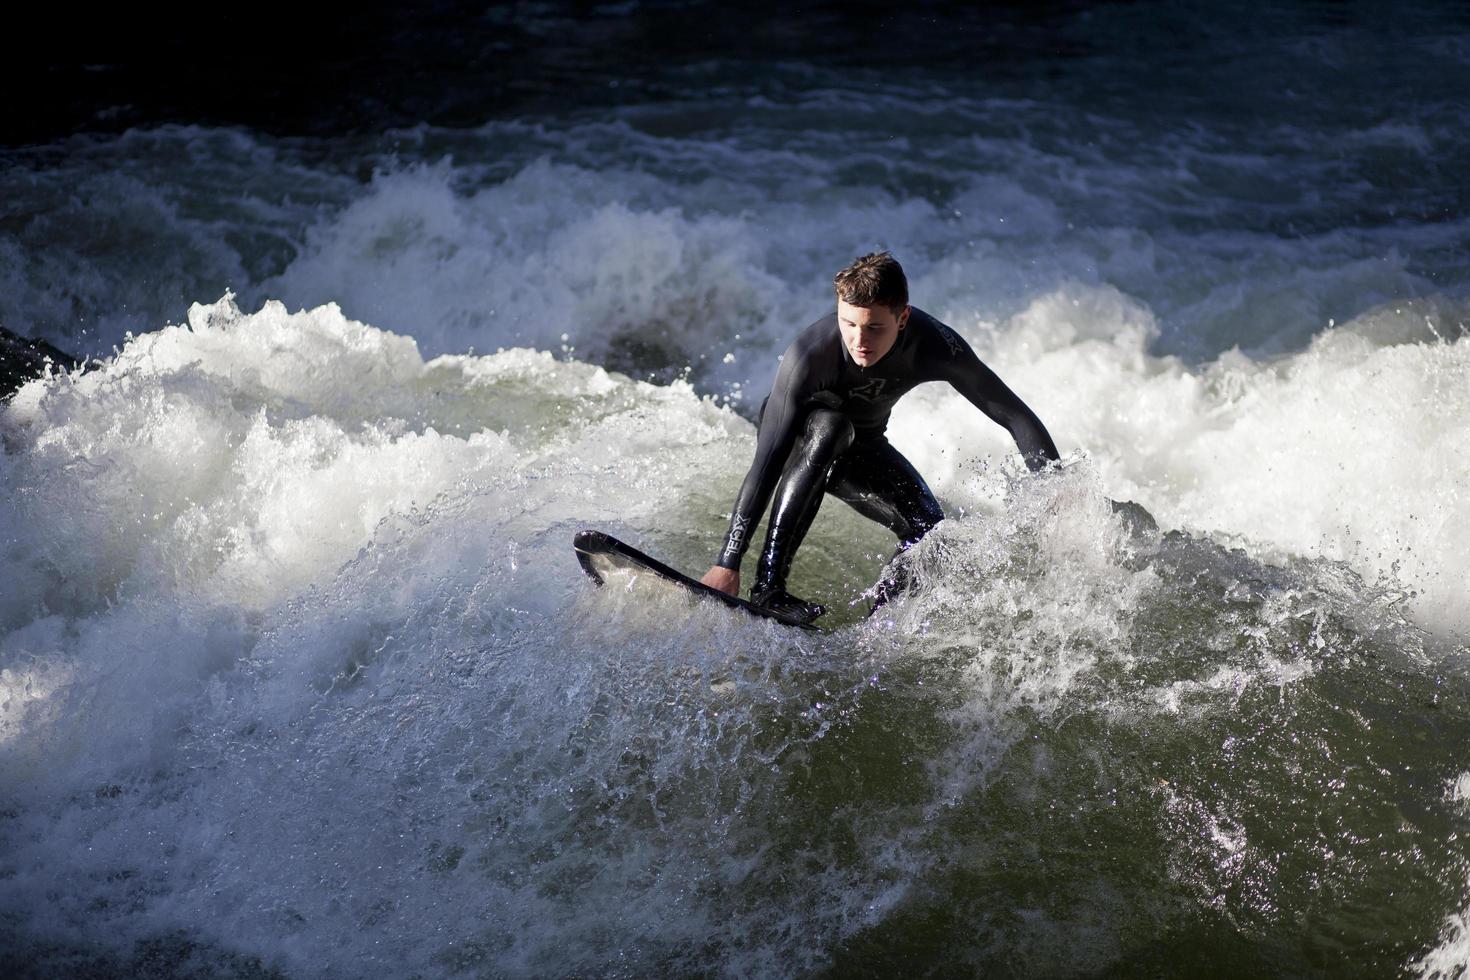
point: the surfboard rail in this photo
(599, 553)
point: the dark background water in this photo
(218, 142)
(284, 70)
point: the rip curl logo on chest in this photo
(869, 390)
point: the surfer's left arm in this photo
(983, 388)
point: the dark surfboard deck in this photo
(602, 555)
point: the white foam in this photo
(1459, 790)
(286, 596)
(1450, 960)
(301, 571)
(553, 251)
(1344, 451)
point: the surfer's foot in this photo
(785, 606)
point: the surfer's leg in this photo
(826, 436)
(878, 482)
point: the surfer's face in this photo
(869, 332)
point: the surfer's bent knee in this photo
(828, 433)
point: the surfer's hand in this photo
(723, 579)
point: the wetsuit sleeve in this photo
(774, 437)
(984, 389)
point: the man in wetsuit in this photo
(822, 428)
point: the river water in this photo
(299, 676)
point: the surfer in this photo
(821, 429)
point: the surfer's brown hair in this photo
(875, 279)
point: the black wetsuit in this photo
(822, 429)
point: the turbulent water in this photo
(299, 676)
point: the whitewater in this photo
(299, 675)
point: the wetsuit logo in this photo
(951, 338)
(738, 525)
(869, 390)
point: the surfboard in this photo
(603, 556)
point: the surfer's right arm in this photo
(778, 423)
